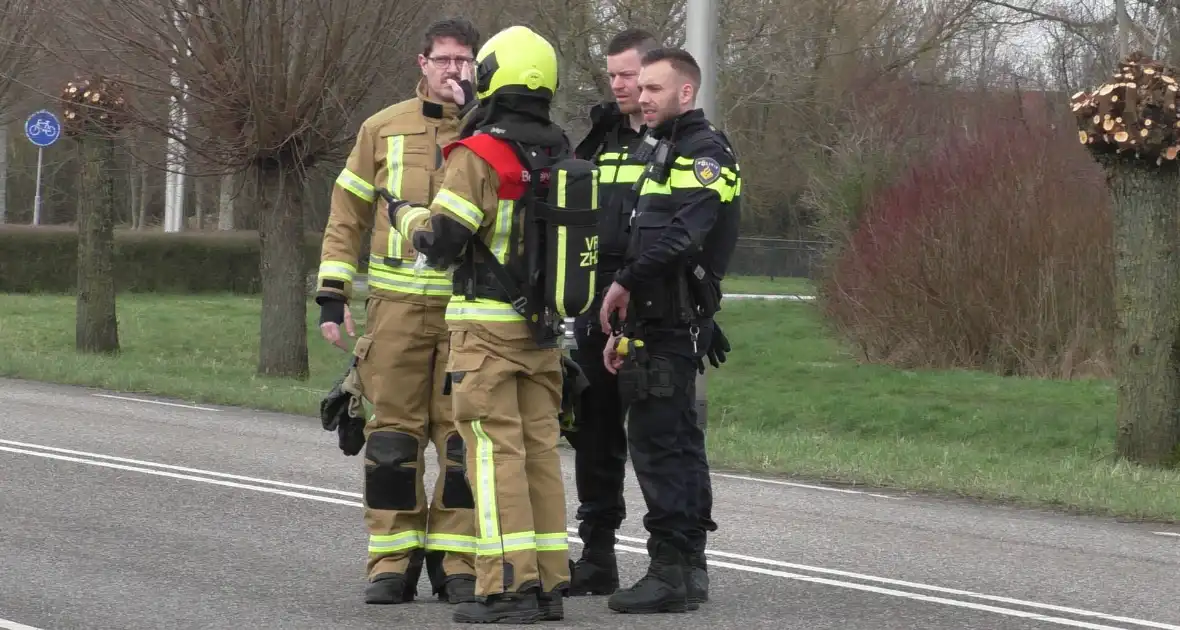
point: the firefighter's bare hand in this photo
(331, 330)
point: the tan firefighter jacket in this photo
(400, 149)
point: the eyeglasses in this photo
(443, 62)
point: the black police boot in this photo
(697, 579)
(551, 605)
(501, 608)
(389, 588)
(662, 589)
(597, 571)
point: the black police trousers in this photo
(600, 442)
(666, 442)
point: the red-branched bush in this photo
(992, 253)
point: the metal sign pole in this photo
(42, 129)
(37, 194)
(700, 24)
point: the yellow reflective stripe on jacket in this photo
(483, 309)
(502, 229)
(394, 158)
(463, 210)
(624, 174)
(450, 542)
(390, 543)
(408, 217)
(553, 542)
(356, 185)
(612, 170)
(407, 280)
(336, 270)
(727, 186)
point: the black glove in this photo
(468, 97)
(573, 384)
(336, 415)
(331, 310)
(718, 346)
(394, 204)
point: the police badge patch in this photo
(707, 170)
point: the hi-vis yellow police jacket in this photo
(399, 149)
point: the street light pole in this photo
(701, 42)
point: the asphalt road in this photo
(123, 513)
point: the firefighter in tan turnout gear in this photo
(514, 222)
(401, 358)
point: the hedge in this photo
(44, 260)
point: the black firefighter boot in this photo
(396, 588)
(696, 577)
(551, 605)
(662, 589)
(453, 589)
(597, 571)
(501, 608)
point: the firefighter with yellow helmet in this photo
(400, 360)
(514, 224)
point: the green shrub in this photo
(44, 260)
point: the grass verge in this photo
(789, 400)
(766, 285)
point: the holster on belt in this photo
(642, 374)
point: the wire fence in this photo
(775, 257)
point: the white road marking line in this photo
(721, 554)
(210, 473)
(1167, 534)
(920, 586)
(1011, 612)
(793, 484)
(155, 402)
(162, 473)
(12, 625)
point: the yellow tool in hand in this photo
(625, 345)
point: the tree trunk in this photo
(133, 192)
(283, 339)
(1147, 286)
(3, 173)
(143, 196)
(97, 328)
(225, 203)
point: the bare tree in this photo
(22, 22)
(270, 87)
(94, 116)
(1129, 126)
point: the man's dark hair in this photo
(682, 61)
(459, 29)
(633, 38)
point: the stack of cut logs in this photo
(1133, 114)
(93, 106)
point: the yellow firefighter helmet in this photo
(516, 61)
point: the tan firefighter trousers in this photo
(506, 398)
(401, 361)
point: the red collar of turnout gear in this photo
(502, 158)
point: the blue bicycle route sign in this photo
(42, 128)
